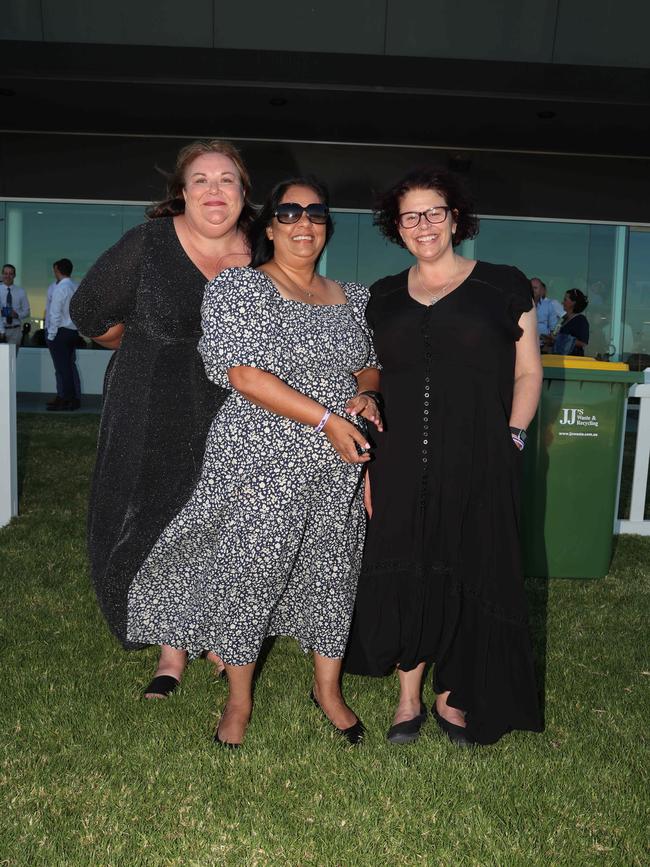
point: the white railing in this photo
(636, 523)
(8, 439)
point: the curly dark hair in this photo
(450, 185)
(580, 300)
(261, 245)
(174, 204)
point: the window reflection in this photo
(636, 320)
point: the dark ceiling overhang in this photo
(293, 96)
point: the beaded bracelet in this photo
(321, 424)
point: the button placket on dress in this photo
(426, 394)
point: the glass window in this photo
(377, 256)
(636, 320)
(343, 250)
(39, 233)
(563, 255)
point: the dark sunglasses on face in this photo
(290, 212)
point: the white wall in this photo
(35, 372)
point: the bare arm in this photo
(112, 338)
(266, 390)
(528, 373)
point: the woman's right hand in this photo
(345, 437)
(112, 338)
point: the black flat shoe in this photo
(224, 744)
(354, 734)
(162, 686)
(456, 734)
(221, 673)
(408, 731)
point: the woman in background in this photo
(573, 334)
(143, 298)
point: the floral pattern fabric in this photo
(270, 541)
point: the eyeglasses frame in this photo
(421, 214)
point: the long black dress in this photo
(441, 578)
(158, 403)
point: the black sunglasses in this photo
(290, 212)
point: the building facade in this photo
(542, 104)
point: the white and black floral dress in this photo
(270, 541)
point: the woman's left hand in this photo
(366, 407)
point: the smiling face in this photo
(427, 240)
(302, 241)
(213, 194)
(8, 275)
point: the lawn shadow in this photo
(537, 598)
(265, 651)
(25, 436)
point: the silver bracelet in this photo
(321, 424)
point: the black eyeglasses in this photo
(411, 219)
(290, 212)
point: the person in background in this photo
(62, 338)
(547, 314)
(14, 308)
(143, 298)
(39, 339)
(573, 334)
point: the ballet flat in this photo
(408, 731)
(456, 734)
(353, 735)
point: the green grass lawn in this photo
(91, 774)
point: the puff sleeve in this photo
(358, 296)
(520, 298)
(107, 294)
(238, 323)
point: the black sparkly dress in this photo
(441, 578)
(158, 403)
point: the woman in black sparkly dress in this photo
(461, 376)
(143, 298)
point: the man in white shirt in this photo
(61, 336)
(14, 307)
(547, 315)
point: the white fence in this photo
(8, 438)
(636, 522)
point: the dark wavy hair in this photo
(261, 246)
(450, 185)
(579, 299)
(174, 203)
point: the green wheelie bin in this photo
(571, 468)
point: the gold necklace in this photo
(435, 297)
(297, 285)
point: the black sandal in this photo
(161, 686)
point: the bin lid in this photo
(575, 367)
(587, 362)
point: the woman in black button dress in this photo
(441, 580)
